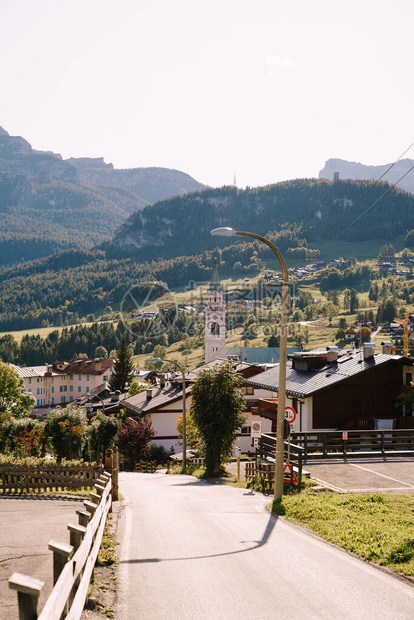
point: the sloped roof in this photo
(29, 371)
(161, 396)
(303, 383)
(84, 367)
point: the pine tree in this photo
(123, 371)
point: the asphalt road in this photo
(378, 474)
(27, 524)
(199, 551)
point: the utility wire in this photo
(361, 198)
(368, 209)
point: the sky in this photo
(264, 90)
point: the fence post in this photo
(28, 590)
(115, 471)
(83, 517)
(62, 553)
(77, 532)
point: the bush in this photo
(156, 453)
(66, 432)
(22, 437)
(101, 435)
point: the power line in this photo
(362, 197)
(366, 210)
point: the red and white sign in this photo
(256, 429)
(287, 470)
(290, 414)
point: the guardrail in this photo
(72, 563)
(317, 444)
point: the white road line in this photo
(383, 475)
(123, 569)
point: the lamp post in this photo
(280, 442)
(88, 403)
(158, 359)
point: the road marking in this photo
(383, 475)
(123, 569)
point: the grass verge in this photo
(377, 527)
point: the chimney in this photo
(332, 356)
(387, 347)
(369, 350)
(162, 380)
(115, 396)
(98, 364)
(149, 394)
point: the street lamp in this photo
(158, 359)
(280, 442)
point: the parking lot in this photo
(385, 474)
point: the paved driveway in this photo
(388, 474)
(28, 523)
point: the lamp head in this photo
(224, 231)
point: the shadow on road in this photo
(45, 497)
(260, 543)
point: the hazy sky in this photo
(267, 89)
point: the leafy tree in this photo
(353, 301)
(217, 407)
(136, 387)
(387, 251)
(66, 431)
(193, 437)
(22, 436)
(101, 352)
(134, 437)
(13, 401)
(364, 334)
(123, 369)
(342, 323)
(340, 334)
(102, 435)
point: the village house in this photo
(163, 403)
(334, 389)
(63, 382)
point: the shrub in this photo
(66, 432)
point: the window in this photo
(30, 380)
(71, 377)
(248, 390)
(63, 399)
(53, 401)
(246, 430)
(53, 379)
(53, 389)
(71, 388)
(79, 377)
(62, 378)
(105, 377)
(70, 399)
(79, 388)
(38, 403)
(30, 390)
(87, 377)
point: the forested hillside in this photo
(182, 225)
(42, 216)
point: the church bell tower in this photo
(215, 320)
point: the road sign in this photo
(237, 451)
(289, 472)
(256, 429)
(344, 435)
(290, 414)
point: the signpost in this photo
(290, 416)
(256, 429)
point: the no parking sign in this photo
(256, 429)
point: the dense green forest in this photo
(182, 225)
(43, 216)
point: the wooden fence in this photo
(72, 563)
(356, 443)
(265, 468)
(35, 478)
(146, 466)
